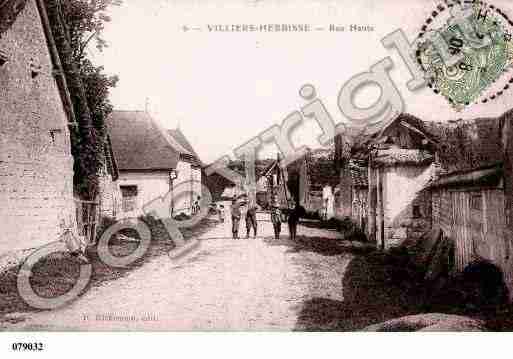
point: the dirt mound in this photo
(436, 322)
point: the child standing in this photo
(276, 220)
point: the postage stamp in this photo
(465, 49)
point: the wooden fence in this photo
(88, 217)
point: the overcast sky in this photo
(224, 88)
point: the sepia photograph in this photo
(270, 166)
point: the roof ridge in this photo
(139, 143)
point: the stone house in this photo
(36, 165)
(399, 203)
(398, 161)
(272, 176)
(309, 180)
(263, 197)
(277, 180)
(450, 184)
(189, 172)
(152, 163)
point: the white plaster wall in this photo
(155, 184)
(401, 186)
(189, 180)
(150, 186)
(182, 187)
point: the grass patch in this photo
(55, 274)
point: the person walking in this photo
(236, 215)
(251, 221)
(295, 213)
(276, 220)
(196, 207)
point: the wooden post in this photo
(303, 185)
(371, 204)
(346, 191)
(380, 238)
(171, 182)
(192, 190)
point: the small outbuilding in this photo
(470, 195)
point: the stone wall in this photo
(36, 166)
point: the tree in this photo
(76, 24)
(85, 20)
(97, 86)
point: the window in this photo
(476, 201)
(35, 68)
(416, 211)
(56, 136)
(129, 194)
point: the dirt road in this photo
(245, 284)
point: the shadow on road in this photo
(320, 245)
(324, 246)
(376, 287)
(316, 224)
(373, 291)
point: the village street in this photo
(226, 284)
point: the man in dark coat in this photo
(295, 213)
(236, 214)
(251, 221)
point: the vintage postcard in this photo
(256, 165)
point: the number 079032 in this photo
(27, 346)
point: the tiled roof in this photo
(139, 143)
(377, 133)
(462, 145)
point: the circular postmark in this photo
(465, 49)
